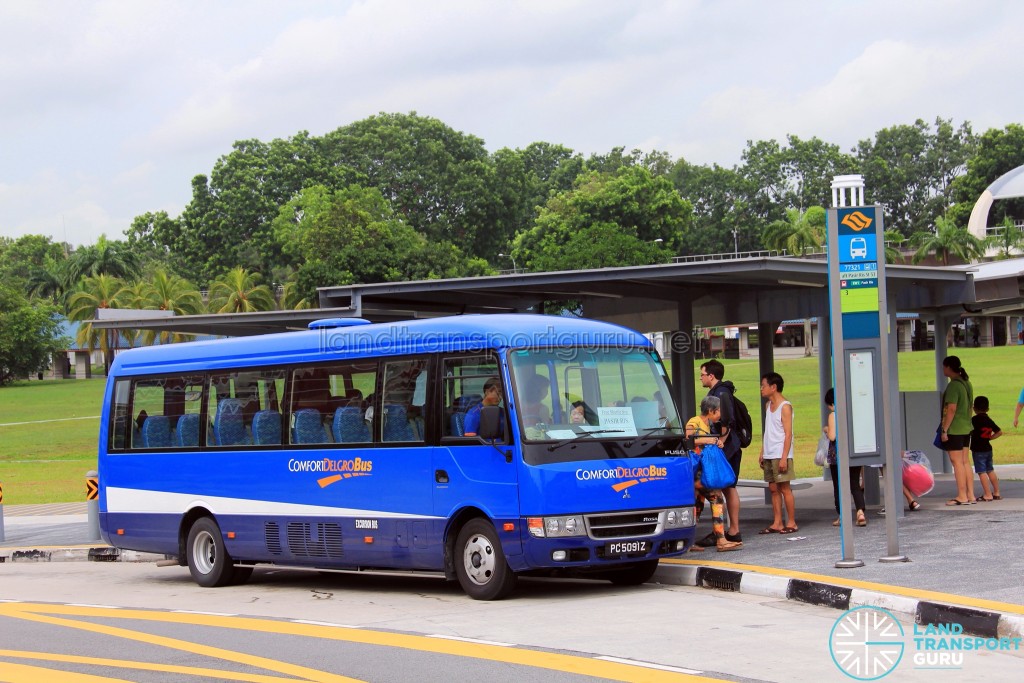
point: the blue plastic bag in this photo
(715, 470)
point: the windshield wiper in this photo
(650, 430)
(582, 435)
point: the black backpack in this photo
(744, 425)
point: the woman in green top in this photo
(955, 427)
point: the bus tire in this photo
(480, 562)
(208, 559)
(634, 574)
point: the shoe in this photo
(837, 522)
(735, 538)
(881, 511)
(861, 520)
(789, 530)
(914, 505)
(708, 541)
(727, 546)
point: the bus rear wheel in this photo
(480, 562)
(208, 559)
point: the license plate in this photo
(626, 547)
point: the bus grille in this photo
(623, 524)
(272, 532)
(314, 540)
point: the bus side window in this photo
(120, 425)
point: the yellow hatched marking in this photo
(542, 660)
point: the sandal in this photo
(727, 546)
(981, 499)
(861, 520)
(953, 501)
(696, 549)
(996, 496)
(789, 530)
(836, 523)
(914, 505)
(769, 530)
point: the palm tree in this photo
(292, 299)
(1007, 240)
(104, 258)
(947, 240)
(52, 280)
(892, 253)
(798, 232)
(239, 291)
(166, 292)
(95, 293)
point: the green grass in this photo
(46, 462)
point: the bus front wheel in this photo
(480, 563)
(208, 559)
(633, 575)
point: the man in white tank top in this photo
(776, 456)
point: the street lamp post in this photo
(735, 242)
(515, 268)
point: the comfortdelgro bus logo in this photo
(624, 477)
(345, 469)
(866, 643)
(856, 221)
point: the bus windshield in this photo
(608, 392)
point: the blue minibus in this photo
(485, 447)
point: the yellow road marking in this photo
(139, 666)
(23, 673)
(920, 593)
(531, 658)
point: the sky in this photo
(108, 109)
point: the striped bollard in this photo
(92, 503)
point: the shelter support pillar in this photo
(681, 349)
(83, 365)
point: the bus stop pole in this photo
(2, 537)
(92, 504)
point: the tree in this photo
(799, 232)
(892, 252)
(22, 258)
(995, 153)
(29, 335)
(1007, 240)
(625, 212)
(240, 291)
(106, 257)
(948, 240)
(165, 292)
(97, 292)
(723, 221)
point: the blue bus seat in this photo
(266, 428)
(308, 427)
(229, 424)
(156, 432)
(349, 425)
(458, 424)
(187, 430)
(396, 423)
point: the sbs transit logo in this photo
(624, 477)
(344, 469)
(856, 221)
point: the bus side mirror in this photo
(490, 423)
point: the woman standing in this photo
(699, 428)
(955, 427)
(833, 465)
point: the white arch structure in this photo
(1007, 186)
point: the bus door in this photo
(468, 472)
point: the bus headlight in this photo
(677, 518)
(556, 527)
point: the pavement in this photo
(963, 562)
